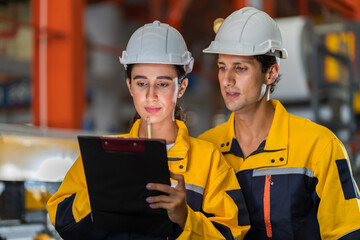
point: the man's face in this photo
(241, 81)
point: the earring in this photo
(131, 94)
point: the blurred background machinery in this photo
(60, 77)
(33, 163)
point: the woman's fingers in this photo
(166, 188)
(159, 187)
(174, 202)
(180, 179)
(161, 205)
(160, 198)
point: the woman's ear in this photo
(182, 87)
(129, 85)
(272, 74)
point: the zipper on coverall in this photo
(266, 202)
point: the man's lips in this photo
(152, 109)
(230, 94)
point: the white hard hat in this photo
(157, 43)
(248, 32)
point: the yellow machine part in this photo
(34, 158)
(36, 199)
(42, 236)
(357, 103)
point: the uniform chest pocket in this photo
(290, 188)
(293, 194)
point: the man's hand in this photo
(174, 203)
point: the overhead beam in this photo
(347, 8)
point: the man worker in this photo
(295, 175)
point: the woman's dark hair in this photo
(178, 68)
(179, 112)
(266, 62)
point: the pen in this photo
(148, 127)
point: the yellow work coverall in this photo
(216, 207)
(298, 183)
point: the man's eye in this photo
(240, 69)
(222, 68)
(140, 84)
(164, 84)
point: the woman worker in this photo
(204, 201)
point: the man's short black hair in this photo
(266, 62)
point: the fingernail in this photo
(151, 205)
(148, 186)
(148, 199)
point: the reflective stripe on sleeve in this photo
(191, 187)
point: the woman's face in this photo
(155, 90)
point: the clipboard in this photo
(117, 171)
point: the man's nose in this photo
(228, 78)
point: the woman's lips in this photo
(152, 109)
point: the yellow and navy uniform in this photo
(298, 183)
(216, 206)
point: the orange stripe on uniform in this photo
(267, 206)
